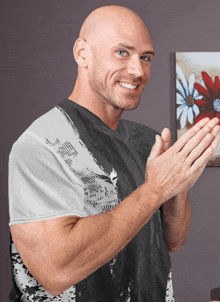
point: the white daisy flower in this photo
(186, 96)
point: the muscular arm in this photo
(63, 251)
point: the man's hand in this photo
(163, 143)
(171, 171)
(176, 211)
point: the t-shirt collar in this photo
(120, 133)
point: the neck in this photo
(83, 96)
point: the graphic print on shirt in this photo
(30, 288)
(112, 178)
(100, 191)
(169, 291)
(100, 187)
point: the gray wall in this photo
(37, 71)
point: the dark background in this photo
(37, 71)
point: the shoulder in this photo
(49, 128)
(52, 124)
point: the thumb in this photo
(157, 148)
(166, 137)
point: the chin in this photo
(131, 105)
(127, 108)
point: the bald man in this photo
(97, 202)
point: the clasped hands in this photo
(170, 171)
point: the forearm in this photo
(90, 243)
(102, 236)
(177, 218)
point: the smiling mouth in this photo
(129, 86)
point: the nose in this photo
(135, 67)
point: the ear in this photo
(79, 52)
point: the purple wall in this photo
(37, 70)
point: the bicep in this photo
(39, 242)
(33, 233)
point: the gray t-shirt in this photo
(68, 162)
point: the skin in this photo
(63, 251)
(104, 60)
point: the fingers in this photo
(200, 148)
(166, 136)
(215, 143)
(194, 136)
(157, 148)
(161, 144)
(201, 139)
(203, 159)
(189, 134)
(215, 130)
(206, 147)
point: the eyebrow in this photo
(129, 47)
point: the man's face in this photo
(120, 66)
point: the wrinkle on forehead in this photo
(109, 20)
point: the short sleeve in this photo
(41, 185)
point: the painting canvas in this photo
(197, 91)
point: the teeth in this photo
(127, 85)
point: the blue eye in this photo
(145, 58)
(121, 52)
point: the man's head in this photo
(114, 53)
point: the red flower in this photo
(210, 104)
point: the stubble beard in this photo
(128, 102)
(109, 95)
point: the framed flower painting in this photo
(197, 91)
